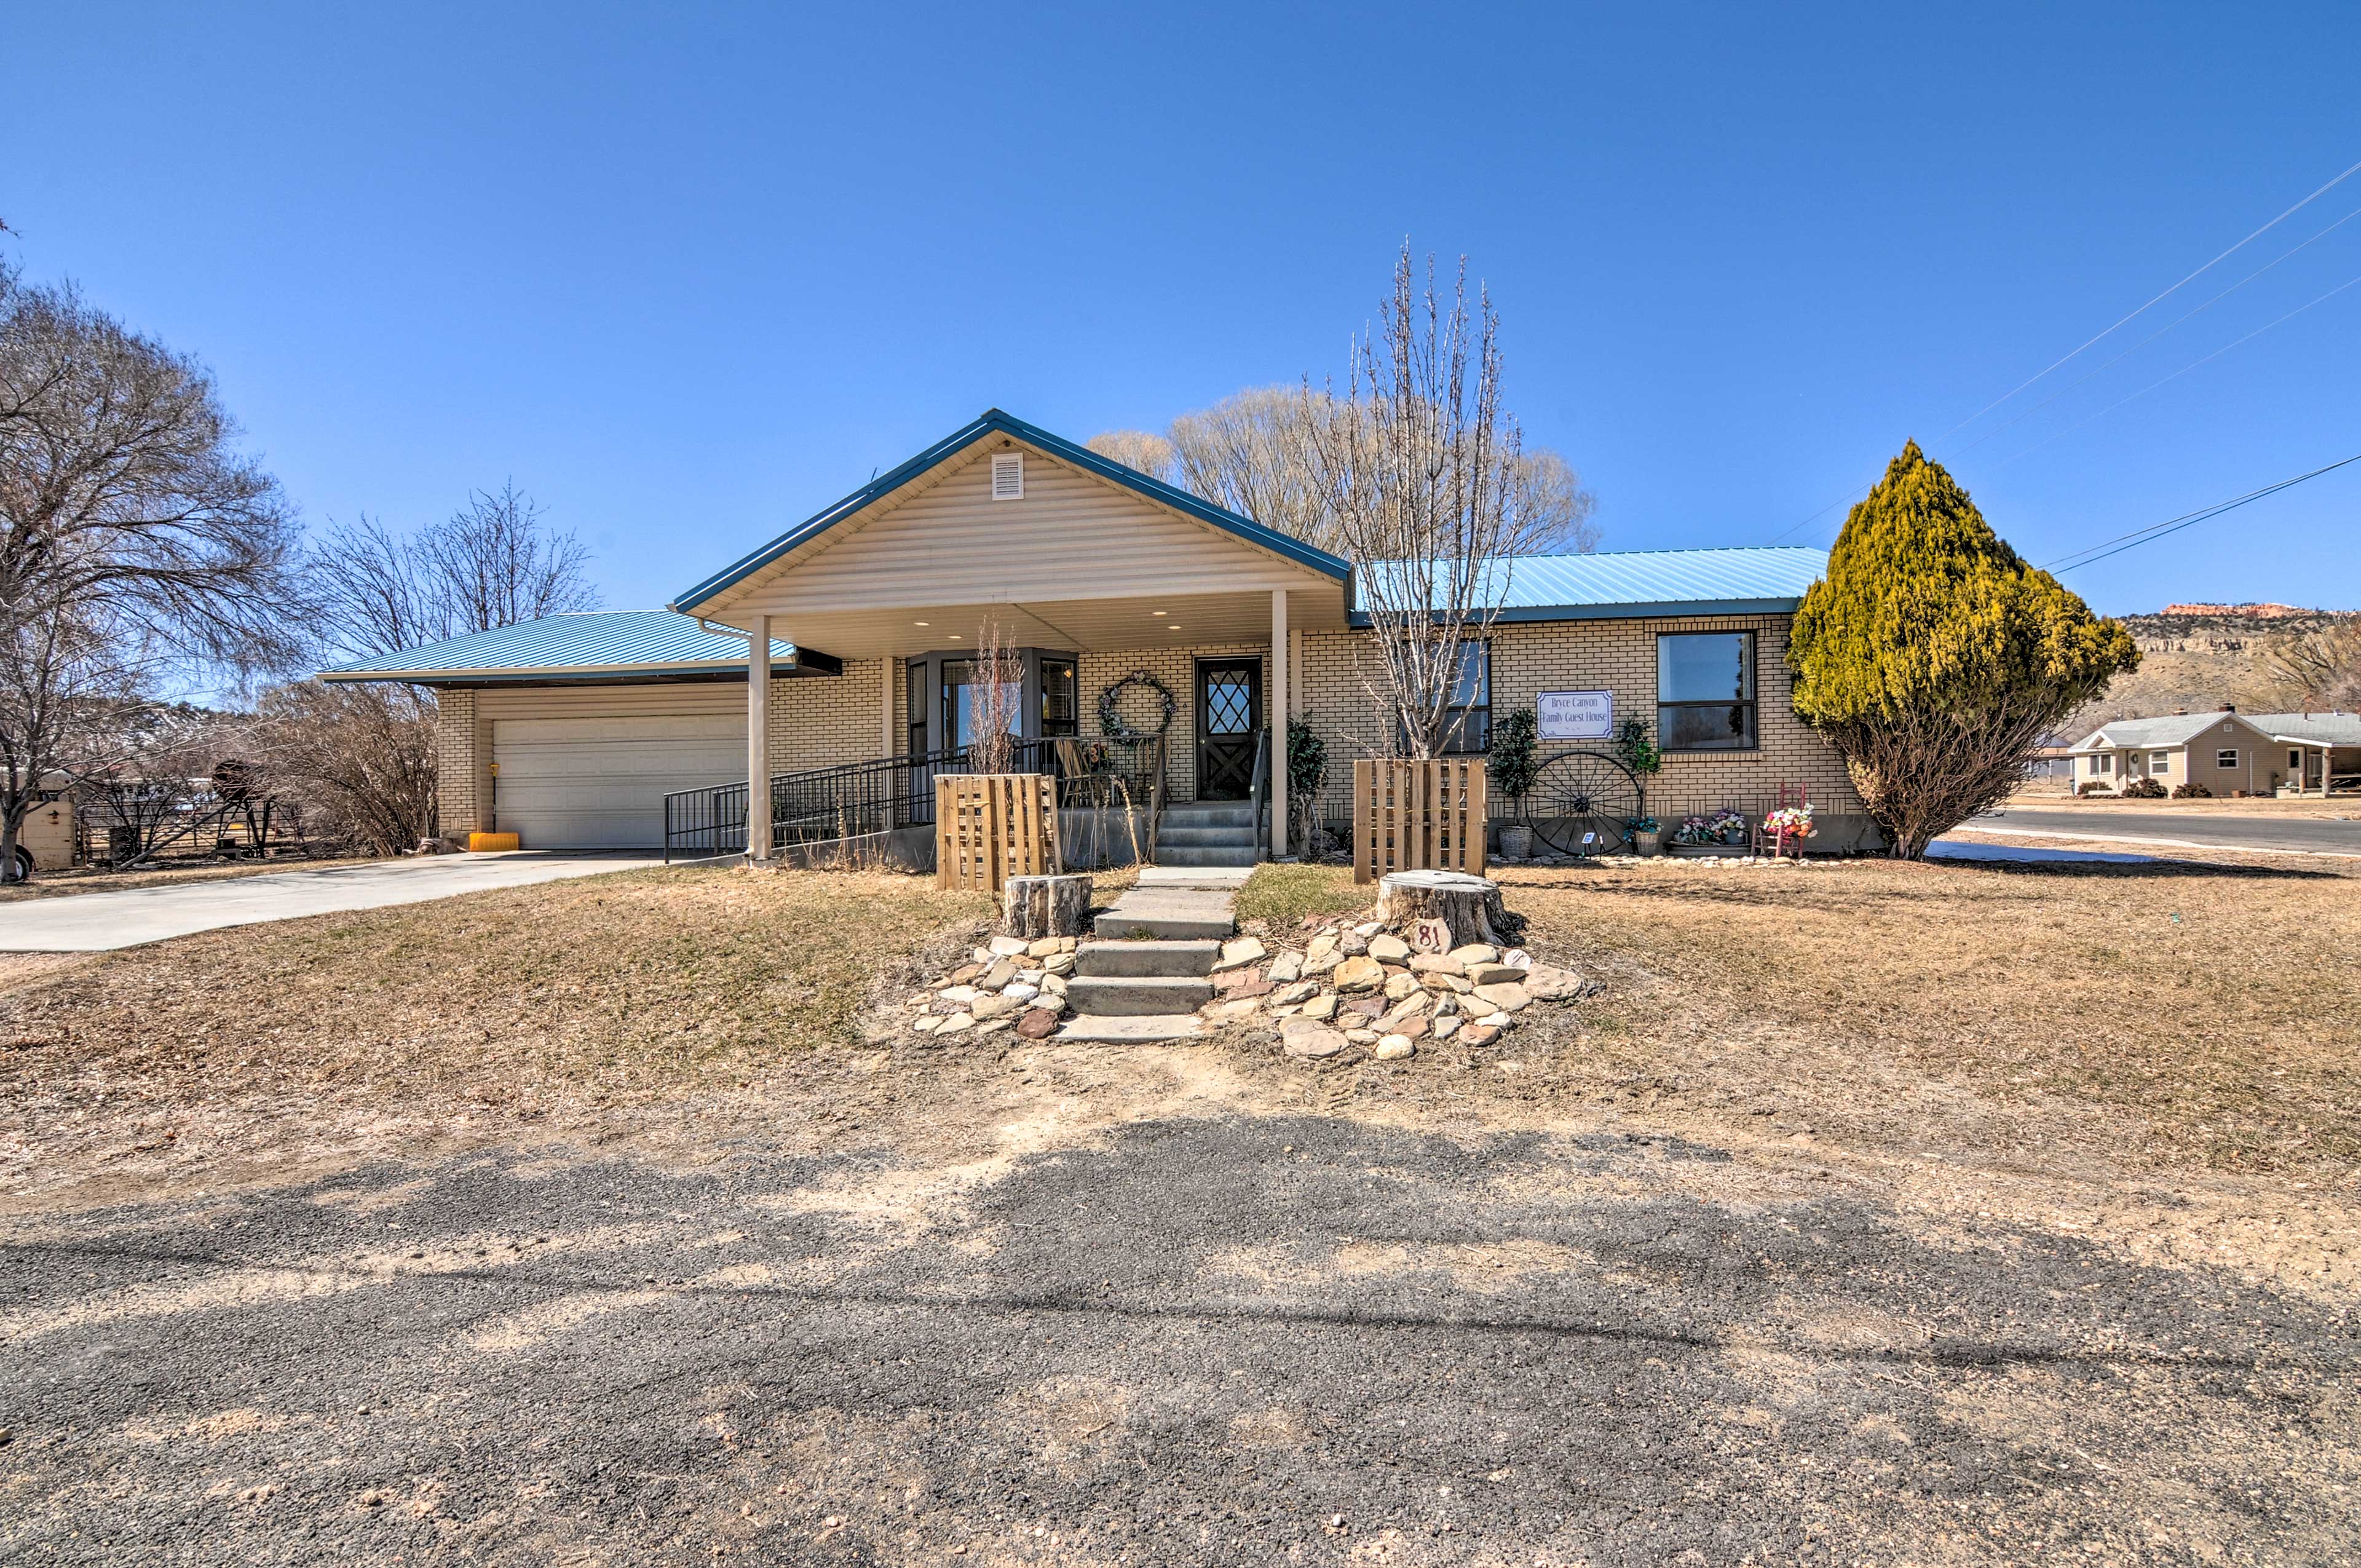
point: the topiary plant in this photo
(1934, 659)
(1512, 764)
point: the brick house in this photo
(857, 628)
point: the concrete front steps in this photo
(1206, 833)
(1142, 981)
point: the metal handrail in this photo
(853, 800)
(1255, 792)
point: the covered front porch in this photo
(1156, 641)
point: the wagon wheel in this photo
(1579, 803)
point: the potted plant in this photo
(1647, 834)
(1513, 768)
(1729, 825)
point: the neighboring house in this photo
(570, 730)
(45, 838)
(2227, 751)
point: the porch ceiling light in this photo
(918, 623)
(1156, 612)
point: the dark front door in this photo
(1229, 715)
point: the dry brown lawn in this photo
(2179, 1013)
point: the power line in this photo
(2089, 374)
(2175, 288)
(2184, 370)
(2348, 173)
(2076, 560)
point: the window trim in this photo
(2225, 759)
(1752, 701)
(1455, 715)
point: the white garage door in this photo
(599, 783)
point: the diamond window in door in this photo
(1229, 705)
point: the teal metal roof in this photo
(588, 645)
(993, 422)
(1622, 584)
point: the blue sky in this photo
(686, 275)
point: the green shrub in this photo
(1512, 764)
(1934, 659)
(2144, 789)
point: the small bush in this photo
(2192, 791)
(2144, 789)
(2096, 786)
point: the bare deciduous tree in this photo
(360, 756)
(1257, 454)
(493, 562)
(131, 531)
(1423, 474)
(997, 702)
(2320, 669)
(1141, 449)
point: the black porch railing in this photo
(857, 799)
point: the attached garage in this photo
(600, 782)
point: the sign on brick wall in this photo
(1576, 716)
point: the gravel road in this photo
(1221, 1340)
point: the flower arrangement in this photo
(1695, 830)
(1790, 822)
(1642, 824)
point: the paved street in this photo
(2225, 831)
(126, 918)
(1215, 1340)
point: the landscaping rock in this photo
(1368, 1004)
(1022, 992)
(1389, 949)
(1303, 1037)
(1478, 1035)
(1446, 1025)
(1036, 1024)
(1475, 953)
(1498, 1023)
(926, 1025)
(1323, 946)
(1231, 1011)
(1058, 963)
(1053, 985)
(1436, 963)
(1301, 991)
(1359, 974)
(1242, 983)
(958, 1022)
(1360, 1036)
(1547, 982)
(1052, 1006)
(998, 975)
(1443, 985)
(964, 974)
(1352, 944)
(1008, 947)
(1044, 948)
(1286, 969)
(1393, 1047)
(1484, 974)
(957, 995)
(1323, 963)
(1412, 1028)
(996, 1026)
(1517, 958)
(1241, 951)
(1505, 998)
(1368, 928)
(1322, 1006)
(995, 1006)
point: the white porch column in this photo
(1278, 709)
(758, 737)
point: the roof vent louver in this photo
(1008, 476)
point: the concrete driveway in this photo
(128, 917)
(2309, 835)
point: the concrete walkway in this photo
(131, 916)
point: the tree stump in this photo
(1470, 906)
(1037, 906)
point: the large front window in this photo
(1061, 711)
(960, 690)
(1705, 691)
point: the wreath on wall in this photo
(1112, 722)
